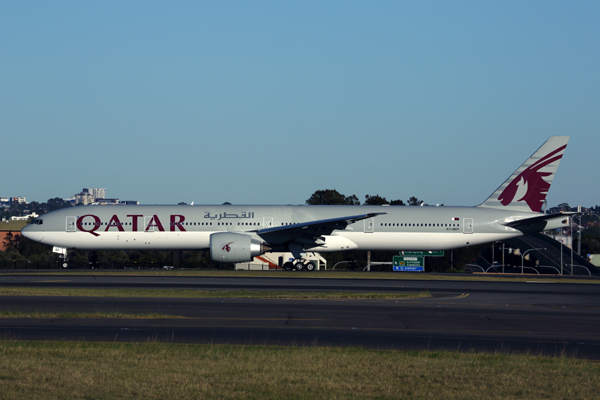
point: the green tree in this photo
(590, 241)
(11, 242)
(29, 248)
(332, 197)
(413, 201)
(56, 204)
(376, 200)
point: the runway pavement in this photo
(547, 318)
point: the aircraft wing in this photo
(533, 223)
(310, 230)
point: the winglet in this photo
(527, 187)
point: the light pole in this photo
(578, 225)
(503, 250)
(510, 250)
(503, 257)
(561, 251)
(572, 244)
(523, 256)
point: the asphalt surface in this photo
(538, 318)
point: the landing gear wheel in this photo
(299, 266)
(65, 265)
(310, 266)
(288, 266)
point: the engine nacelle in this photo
(227, 247)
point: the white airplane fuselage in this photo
(239, 233)
(190, 227)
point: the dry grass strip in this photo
(82, 370)
(313, 275)
(184, 293)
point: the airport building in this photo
(24, 217)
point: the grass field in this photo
(312, 275)
(245, 294)
(98, 314)
(81, 370)
(14, 226)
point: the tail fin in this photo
(527, 187)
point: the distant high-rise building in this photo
(89, 195)
(18, 200)
(98, 193)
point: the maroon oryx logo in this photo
(227, 247)
(529, 186)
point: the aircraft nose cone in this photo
(25, 231)
(30, 233)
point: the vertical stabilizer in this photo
(528, 186)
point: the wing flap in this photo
(311, 229)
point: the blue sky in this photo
(266, 102)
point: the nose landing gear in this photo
(62, 253)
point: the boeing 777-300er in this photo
(239, 233)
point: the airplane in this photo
(238, 233)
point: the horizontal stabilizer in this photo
(550, 221)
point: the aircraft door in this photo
(369, 225)
(267, 222)
(70, 224)
(467, 225)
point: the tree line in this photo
(17, 209)
(333, 197)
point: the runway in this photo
(546, 318)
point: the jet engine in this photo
(227, 247)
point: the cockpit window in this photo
(38, 221)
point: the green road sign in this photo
(409, 263)
(423, 253)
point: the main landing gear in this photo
(300, 265)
